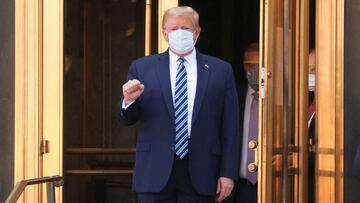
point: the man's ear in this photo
(196, 35)
(165, 35)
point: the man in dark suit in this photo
(187, 108)
(246, 186)
(311, 126)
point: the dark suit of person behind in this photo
(213, 143)
(311, 126)
(311, 156)
(246, 186)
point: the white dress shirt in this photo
(191, 72)
(245, 135)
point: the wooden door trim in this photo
(53, 15)
(148, 5)
(329, 90)
(300, 158)
(38, 92)
(264, 194)
(27, 94)
(329, 98)
(162, 6)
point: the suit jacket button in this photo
(172, 148)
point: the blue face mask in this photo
(181, 41)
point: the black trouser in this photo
(243, 191)
(179, 188)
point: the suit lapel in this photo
(163, 74)
(203, 72)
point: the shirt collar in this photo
(250, 90)
(190, 58)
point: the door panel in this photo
(38, 99)
(284, 136)
(272, 101)
(101, 38)
(51, 104)
(302, 165)
(48, 50)
(284, 100)
(330, 99)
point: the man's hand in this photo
(132, 90)
(224, 188)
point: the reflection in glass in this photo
(101, 38)
(279, 104)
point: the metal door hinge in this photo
(262, 82)
(44, 147)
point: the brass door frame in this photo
(148, 5)
(271, 36)
(39, 88)
(263, 149)
(26, 95)
(52, 88)
(329, 104)
(163, 5)
(330, 97)
(300, 156)
(38, 92)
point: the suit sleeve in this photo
(130, 115)
(230, 130)
(357, 162)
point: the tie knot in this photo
(256, 96)
(181, 60)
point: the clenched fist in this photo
(132, 90)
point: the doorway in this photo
(100, 41)
(228, 27)
(73, 113)
(101, 38)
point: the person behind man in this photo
(246, 186)
(186, 105)
(311, 126)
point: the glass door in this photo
(284, 46)
(101, 38)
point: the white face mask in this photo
(181, 41)
(311, 82)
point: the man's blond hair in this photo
(182, 11)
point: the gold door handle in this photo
(253, 144)
(253, 167)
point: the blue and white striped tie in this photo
(181, 111)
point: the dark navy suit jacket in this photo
(357, 162)
(242, 91)
(214, 142)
